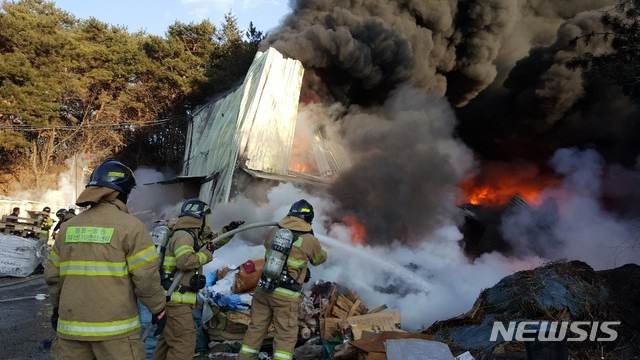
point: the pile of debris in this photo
(343, 316)
(557, 292)
(333, 322)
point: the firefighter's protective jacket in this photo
(181, 256)
(305, 249)
(47, 223)
(102, 261)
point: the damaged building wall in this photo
(252, 128)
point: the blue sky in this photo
(156, 15)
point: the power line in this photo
(114, 126)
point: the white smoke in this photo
(572, 222)
(153, 202)
(453, 280)
(64, 192)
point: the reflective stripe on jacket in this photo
(181, 256)
(102, 262)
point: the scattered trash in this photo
(465, 356)
(410, 349)
(248, 276)
(224, 285)
(333, 322)
(374, 344)
(232, 301)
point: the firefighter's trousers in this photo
(265, 308)
(130, 347)
(178, 340)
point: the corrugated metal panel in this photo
(253, 127)
(269, 122)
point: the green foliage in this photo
(83, 86)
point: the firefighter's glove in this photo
(233, 225)
(210, 246)
(159, 319)
(54, 319)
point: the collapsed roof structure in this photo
(252, 129)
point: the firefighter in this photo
(102, 261)
(46, 222)
(278, 295)
(63, 216)
(60, 214)
(188, 250)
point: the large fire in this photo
(301, 158)
(497, 184)
(357, 229)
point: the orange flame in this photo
(357, 229)
(299, 167)
(498, 183)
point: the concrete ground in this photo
(24, 324)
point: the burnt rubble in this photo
(560, 291)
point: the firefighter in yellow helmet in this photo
(46, 222)
(101, 263)
(289, 249)
(187, 251)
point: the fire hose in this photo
(38, 297)
(180, 274)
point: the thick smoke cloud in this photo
(406, 166)
(542, 84)
(501, 63)
(453, 47)
(375, 44)
(572, 222)
(537, 104)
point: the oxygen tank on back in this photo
(276, 260)
(160, 236)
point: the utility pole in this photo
(75, 172)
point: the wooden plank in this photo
(376, 356)
(328, 310)
(20, 220)
(339, 313)
(355, 308)
(329, 326)
(362, 310)
(378, 309)
(375, 323)
(352, 296)
(344, 303)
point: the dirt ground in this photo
(24, 324)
